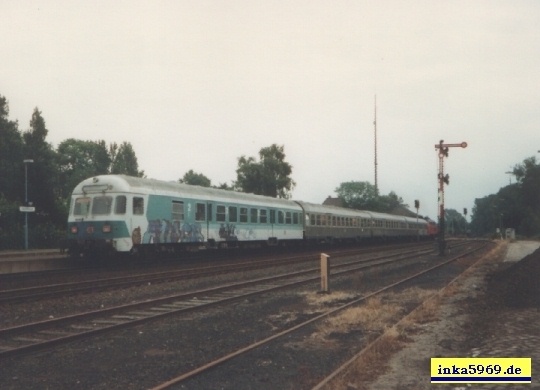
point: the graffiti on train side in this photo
(162, 231)
(227, 232)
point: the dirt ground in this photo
(493, 311)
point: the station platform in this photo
(14, 261)
(493, 311)
(31, 253)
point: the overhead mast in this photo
(375, 129)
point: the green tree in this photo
(196, 179)
(485, 217)
(388, 203)
(456, 224)
(514, 206)
(362, 195)
(79, 160)
(124, 160)
(528, 177)
(11, 156)
(11, 180)
(225, 186)
(43, 172)
(270, 176)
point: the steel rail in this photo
(267, 340)
(118, 317)
(47, 291)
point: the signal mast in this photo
(443, 152)
(375, 130)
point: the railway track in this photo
(94, 285)
(53, 332)
(183, 380)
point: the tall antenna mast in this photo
(375, 128)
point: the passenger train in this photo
(118, 213)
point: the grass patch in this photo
(315, 299)
(371, 317)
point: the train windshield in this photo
(102, 205)
(82, 206)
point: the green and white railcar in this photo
(123, 213)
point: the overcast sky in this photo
(197, 84)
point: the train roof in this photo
(130, 184)
(325, 209)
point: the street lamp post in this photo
(26, 162)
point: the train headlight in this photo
(74, 230)
(107, 228)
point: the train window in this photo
(253, 215)
(272, 216)
(210, 215)
(318, 220)
(263, 216)
(120, 205)
(177, 210)
(220, 213)
(200, 212)
(233, 214)
(280, 217)
(288, 218)
(102, 205)
(138, 206)
(243, 214)
(313, 222)
(295, 219)
(82, 206)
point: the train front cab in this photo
(104, 222)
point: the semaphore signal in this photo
(443, 179)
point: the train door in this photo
(272, 222)
(209, 215)
(203, 217)
(139, 224)
(272, 239)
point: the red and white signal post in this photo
(443, 152)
